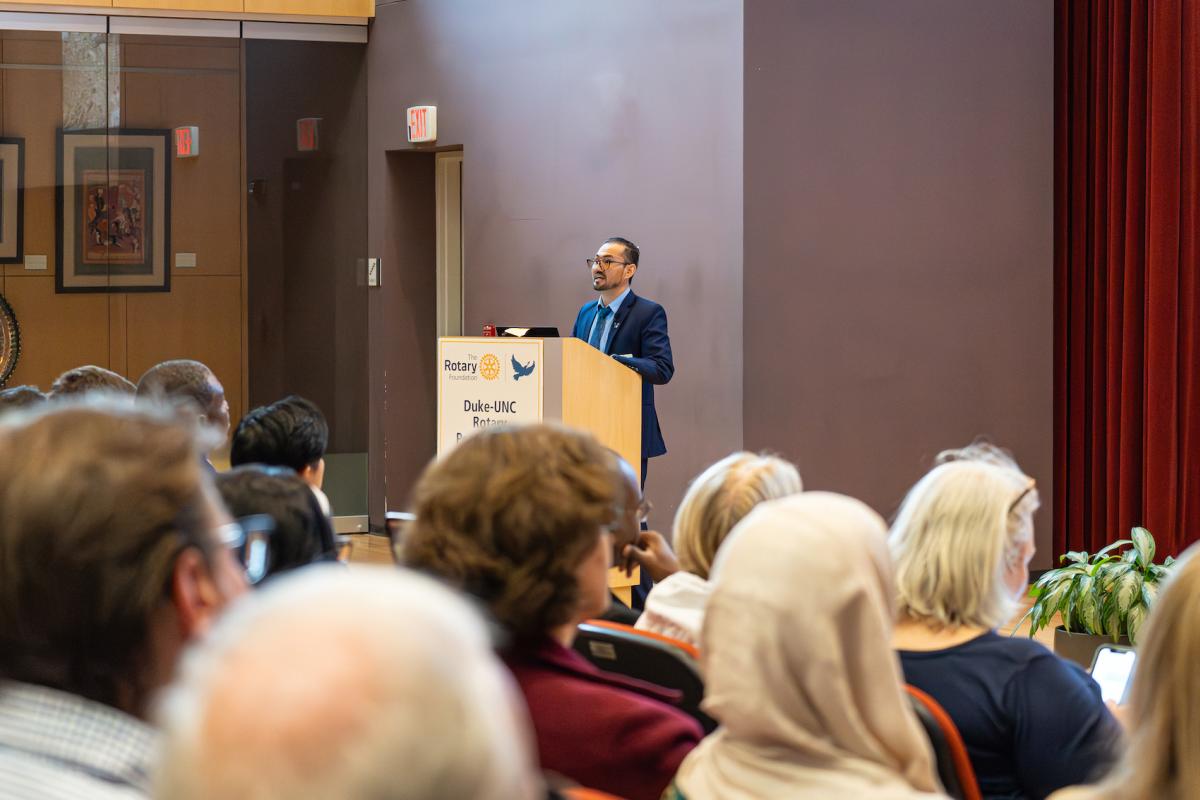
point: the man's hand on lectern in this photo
(652, 552)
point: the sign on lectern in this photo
(487, 381)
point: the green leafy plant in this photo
(1106, 594)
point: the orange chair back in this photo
(690, 649)
(954, 764)
(580, 793)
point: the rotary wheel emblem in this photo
(489, 367)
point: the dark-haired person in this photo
(302, 532)
(186, 381)
(90, 378)
(630, 328)
(523, 517)
(114, 554)
(17, 397)
(291, 432)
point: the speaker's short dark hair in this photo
(632, 252)
(291, 432)
(302, 533)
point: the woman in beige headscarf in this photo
(800, 672)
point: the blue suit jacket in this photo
(640, 331)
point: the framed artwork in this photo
(12, 200)
(10, 341)
(114, 211)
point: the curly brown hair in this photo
(509, 514)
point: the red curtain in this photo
(1127, 300)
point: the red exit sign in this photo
(422, 124)
(308, 134)
(187, 142)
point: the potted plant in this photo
(1101, 597)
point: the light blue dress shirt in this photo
(614, 305)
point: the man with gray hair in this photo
(300, 695)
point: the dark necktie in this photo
(598, 328)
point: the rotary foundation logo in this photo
(489, 367)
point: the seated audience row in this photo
(809, 615)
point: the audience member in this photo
(798, 667)
(112, 557)
(91, 378)
(523, 518)
(962, 541)
(302, 532)
(17, 397)
(1164, 705)
(190, 382)
(715, 502)
(634, 508)
(291, 432)
(298, 693)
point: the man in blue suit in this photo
(631, 329)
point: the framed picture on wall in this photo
(12, 199)
(114, 211)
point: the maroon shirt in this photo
(606, 731)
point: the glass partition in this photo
(194, 197)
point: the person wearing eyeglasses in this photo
(630, 328)
(115, 553)
(302, 533)
(962, 541)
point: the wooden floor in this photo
(370, 548)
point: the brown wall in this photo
(898, 241)
(170, 82)
(578, 121)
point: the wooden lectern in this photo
(486, 381)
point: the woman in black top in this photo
(962, 541)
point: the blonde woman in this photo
(715, 502)
(962, 542)
(799, 671)
(1164, 705)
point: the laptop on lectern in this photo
(527, 333)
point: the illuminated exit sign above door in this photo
(187, 142)
(422, 124)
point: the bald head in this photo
(299, 694)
